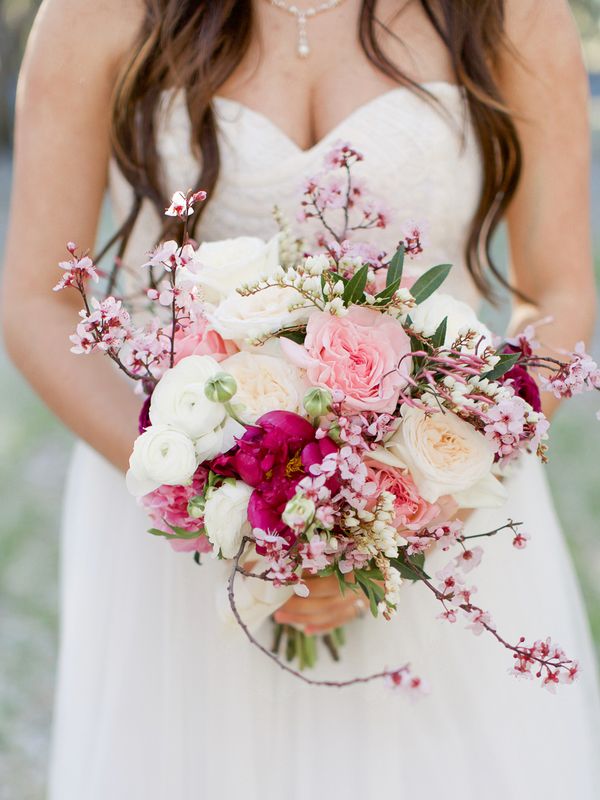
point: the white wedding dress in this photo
(159, 699)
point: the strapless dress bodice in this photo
(420, 158)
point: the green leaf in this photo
(406, 570)
(439, 337)
(355, 288)
(197, 558)
(178, 533)
(385, 295)
(429, 282)
(295, 336)
(507, 361)
(394, 273)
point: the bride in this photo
(467, 113)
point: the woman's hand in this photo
(325, 608)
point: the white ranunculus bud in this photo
(317, 402)
(195, 507)
(226, 517)
(220, 388)
(161, 455)
(299, 511)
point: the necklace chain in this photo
(302, 16)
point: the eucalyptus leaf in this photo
(506, 362)
(295, 336)
(355, 288)
(396, 266)
(439, 337)
(385, 295)
(431, 280)
(178, 533)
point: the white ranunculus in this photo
(244, 319)
(161, 455)
(179, 398)
(219, 268)
(218, 441)
(226, 517)
(428, 315)
(445, 456)
(265, 383)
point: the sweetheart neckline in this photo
(334, 132)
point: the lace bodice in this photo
(420, 159)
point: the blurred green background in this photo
(34, 450)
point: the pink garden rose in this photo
(412, 511)
(198, 339)
(365, 354)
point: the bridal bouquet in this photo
(319, 411)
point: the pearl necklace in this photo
(302, 17)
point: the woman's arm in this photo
(60, 172)
(548, 219)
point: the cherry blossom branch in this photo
(396, 677)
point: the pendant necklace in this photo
(302, 16)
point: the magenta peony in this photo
(272, 457)
(523, 383)
(365, 354)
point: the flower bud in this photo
(298, 511)
(220, 388)
(317, 402)
(195, 507)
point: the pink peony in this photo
(167, 505)
(365, 354)
(272, 457)
(198, 339)
(412, 511)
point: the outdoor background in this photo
(34, 451)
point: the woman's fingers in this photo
(318, 614)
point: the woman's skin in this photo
(60, 176)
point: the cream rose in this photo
(219, 268)
(161, 455)
(428, 315)
(445, 456)
(244, 319)
(226, 517)
(265, 383)
(179, 398)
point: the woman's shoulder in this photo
(102, 31)
(544, 53)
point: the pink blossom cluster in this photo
(77, 271)
(336, 189)
(574, 377)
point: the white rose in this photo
(161, 455)
(445, 456)
(265, 383)
(179, 400)
(219, 268)
(244, 319)
(226, 517)
(428, 315)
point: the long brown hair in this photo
(195, 45)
